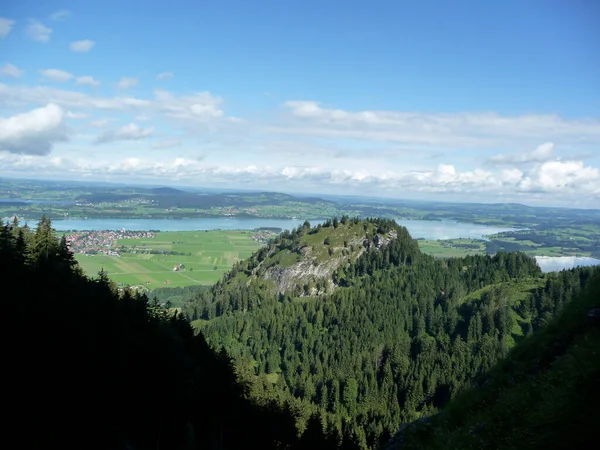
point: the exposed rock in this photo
(309, 269)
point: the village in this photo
(102, 241)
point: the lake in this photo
(426, 229)
(449, 229)
(556, 263)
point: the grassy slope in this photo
(516, 292)
(545, 394)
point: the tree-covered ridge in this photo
(400, 335)
(88, 367)
(543, 395)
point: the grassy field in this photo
(205, 255)
(452, 247)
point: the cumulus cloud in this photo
(164, 75)
(511, 176)
(542, 153)
(374, 160)
(5, 26)
(127, 82)
(11, 71)
(56, 75)
(87, 81)
(445, 179)
(563, 176)
(130, 132)
(37, 31)
(60, 15)
(34, 132)
(82, 46)
(170, 143)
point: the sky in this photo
(494, 101)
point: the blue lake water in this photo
(426, 229)
(449, 229)
(210, 223)
(555, 263)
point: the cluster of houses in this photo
(102, 241)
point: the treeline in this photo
(401, 334)
(87, 366)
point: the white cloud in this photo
(377, 153)
(445, 179)
(126, 83)
(563, 176)
(34, 132)
(60, 15)
(87, 81)
(11, 71)
(166, 144)
(130, 132)
(474, 130)
(164, 75)
(5, 26)
(37, 31)
(511, 176)
(81, 46)
(56, 75)
(542, 153)
(195, 107)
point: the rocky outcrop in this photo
(309, 271)
(305, 271)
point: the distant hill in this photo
(167, 191)
(351, 323)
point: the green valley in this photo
(155, 260)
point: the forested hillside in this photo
(378, 334)
(544, 395)
(85, 366)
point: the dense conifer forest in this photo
(398, 335)
(383, 338)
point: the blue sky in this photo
(489, 101)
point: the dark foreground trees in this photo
(86, 366)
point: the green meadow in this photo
(206, 256)
(449, 248)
